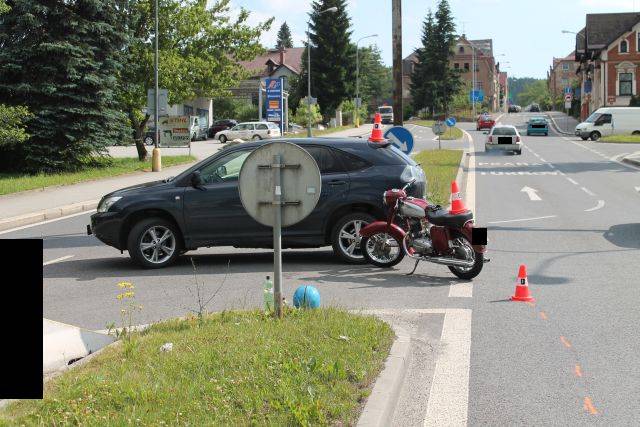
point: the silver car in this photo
(250, 131)
(504, 137)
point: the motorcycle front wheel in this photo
(468, 273)
(382, 250)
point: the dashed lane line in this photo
(53, 261)
(522, 219)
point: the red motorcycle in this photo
(424, 232)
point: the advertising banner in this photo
(274, 101)
(174, 131)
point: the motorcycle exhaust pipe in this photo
(450, 262)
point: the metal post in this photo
(396, 35)
(260, 100)
(156, 159)
(277, 236)
(356, 119)
(473, 80)
(309, 79)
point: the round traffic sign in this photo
(451, 122)
(438, 128)
(401, 138)
(299, 189)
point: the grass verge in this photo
(621, 139)
(440, 167)
(233, 368)
(13, 183)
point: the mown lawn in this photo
(440, 167)
(451, 133)
(621, 139)
(314, 367)
(316, 132)
(13, 183)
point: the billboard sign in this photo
(174, 131)
(275, 101)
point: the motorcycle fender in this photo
(382, 226)
(467, 231)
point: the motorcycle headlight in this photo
(105, 204)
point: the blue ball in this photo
(306, 296)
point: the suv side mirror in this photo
(197, 181)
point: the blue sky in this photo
(526, 32)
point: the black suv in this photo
(158, 221)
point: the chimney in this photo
(281, 55)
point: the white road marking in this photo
(542, 160)
(470, 188)
(600, 205)
(573, 181)
(46, 222)
(498, 173)
(449, 396)
(532, 193)
(522, 219)
(53, 261)
(637, 189)
(589, 192)
(461, 290)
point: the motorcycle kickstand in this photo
(414, 268)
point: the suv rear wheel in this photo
(345, 236)
(154, 243)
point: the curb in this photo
(632, 161)
(556, 127)
(383, 400)
(44, 215)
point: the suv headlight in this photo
(105, 204)
(412, 172)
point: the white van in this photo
(610, 121)
(386, 114)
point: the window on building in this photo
(565, 67)
(466, 66)
(626, 84)
(477, 67)
(565, 83)
(456, 66)
(461, 49)
(479, 85)
(638, 42)
(624, 46)
(188, 110)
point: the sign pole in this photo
(277, 236)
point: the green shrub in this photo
(301, 114)
(12, 124)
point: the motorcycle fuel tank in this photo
(413, 208)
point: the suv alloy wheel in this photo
(154, 243)
(345, 237)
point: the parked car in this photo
(201, 207)
(198, 128)
(610, 121)
(538, 126)
(250, 130)
(219, 125)
(504, 137)
(485, 121)
(513, 108)
(535, 108)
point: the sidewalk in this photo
(562, 122)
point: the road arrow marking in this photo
(533, 195)
(637, 189)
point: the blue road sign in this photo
(567, 90)
(401, 138)
(476, 95)
(451, 122)
(275, 101)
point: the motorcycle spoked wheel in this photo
(473, 271)
(382, 250)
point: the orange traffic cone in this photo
(457, 206)
(522, 287)
(376, 133)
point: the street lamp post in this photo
(357, 115)
(331, 9)
(156, 159)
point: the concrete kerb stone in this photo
(633, 159)
(47, 214)
(382, 402)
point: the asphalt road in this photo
(569, 359)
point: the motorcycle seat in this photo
(444, 218)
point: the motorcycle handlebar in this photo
(408, 184)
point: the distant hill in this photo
(517, 85)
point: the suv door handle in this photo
(337, 182)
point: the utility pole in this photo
(396, 35)
(156, 159)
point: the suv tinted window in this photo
(351, 162)
(503, 131)
(226, 168)
(326, 160)
(261, 127)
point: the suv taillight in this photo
(517, 139)
(490, 138)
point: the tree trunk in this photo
(138, 136)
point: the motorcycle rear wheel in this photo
(382, 250)
(469, 273)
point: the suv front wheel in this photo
(345, 236)
(154, 243)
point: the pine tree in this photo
(425, 68)
(332, 57)
(284, 37)
(63, 67)
(445, 35)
